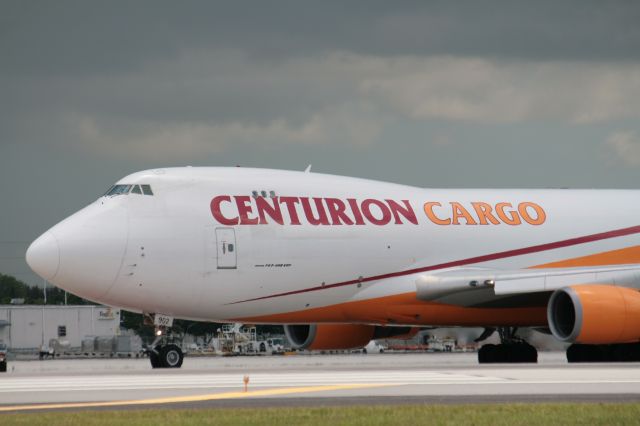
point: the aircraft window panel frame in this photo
(118, 190)
(108, 190)
(136, 190)
(146, 189)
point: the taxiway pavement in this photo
(310, 380)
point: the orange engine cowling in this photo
(339, 336)
(595, 314)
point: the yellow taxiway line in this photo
(191, 398)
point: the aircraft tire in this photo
(171, 356)
(486, 354)
(155, 360)
(521, 353)
(589, 353)
(502, 353)
(532, 354)
(507, 353)
(3, 367)
(625, 352)
(575, 353)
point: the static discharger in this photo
(245, 379)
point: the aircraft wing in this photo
(509, 282)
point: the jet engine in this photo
(595, 314)
(340, 336)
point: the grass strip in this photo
(468, 414)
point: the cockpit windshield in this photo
(147, 189)
(118, 190)
(128, 189)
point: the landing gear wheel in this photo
(512, 349)
(531, 354)
(517, 352)
(522, 352)
(621, 352)
(625, 352)
(171, 356)
(3, 367)
(486, 353)
(155, 360)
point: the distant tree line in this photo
(12, 288)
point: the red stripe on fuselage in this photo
(471, 260)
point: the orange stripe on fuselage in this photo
(625, 256)
(407, 310)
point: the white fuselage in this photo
(193, 249)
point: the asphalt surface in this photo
(309, 380)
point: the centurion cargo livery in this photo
(340, 261)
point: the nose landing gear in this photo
(165, 351)
(166, 356)
(512, 349)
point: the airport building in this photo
(27, 328)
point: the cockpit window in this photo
(118, 190)
(126, 189)
(146, 189)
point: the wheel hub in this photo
(172, 357)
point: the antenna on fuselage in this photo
(308, 169)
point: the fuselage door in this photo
(226, 248)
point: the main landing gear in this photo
(622, 352)
(512, 349)
(165, 351)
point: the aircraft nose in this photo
(83, 253)
(43, 256)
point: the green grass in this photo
(481, 414)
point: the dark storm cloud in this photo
(221, 61)
(80, 37)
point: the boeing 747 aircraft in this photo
(341, 261)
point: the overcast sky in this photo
(435, 94)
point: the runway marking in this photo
(192, 398)
(23, 385)
(20, 391)
(212, 381)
